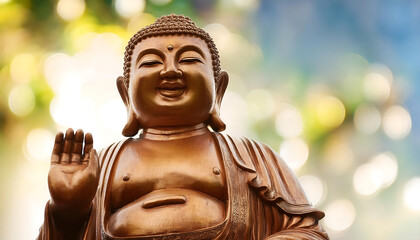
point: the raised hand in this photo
(74, 173)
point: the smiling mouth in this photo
(171, 89)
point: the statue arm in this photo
(300, 221)
(51, 229)
(279, 204)
(72, 181)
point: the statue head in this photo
(172, 77)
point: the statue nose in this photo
(171, 71)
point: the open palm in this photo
(74, 172)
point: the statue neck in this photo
(172, 133)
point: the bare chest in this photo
(144, 167)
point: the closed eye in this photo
(190, 60)
(149, 63)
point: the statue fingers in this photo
(88, 144)
(57, 149)
(68, 145)
(76, 154)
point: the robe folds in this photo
(265, 200)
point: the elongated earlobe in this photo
(132, 126)
(214, 120)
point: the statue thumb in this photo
(93, 163)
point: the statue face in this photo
(171, 81)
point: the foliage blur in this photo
(331, 85)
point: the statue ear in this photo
(214, 120)
(132, 126)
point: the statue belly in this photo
(167, 211)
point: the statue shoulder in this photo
(249, 154)
(269, 175)
(111, 151)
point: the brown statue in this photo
(178, 179)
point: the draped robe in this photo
(265, 200)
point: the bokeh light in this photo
(220, 35)
(260, 104)
(60, 72)
(366, 179)
(38, 145)
(379, 172)
(412, 194)
(367, 118)
(234, 114)
(376, 87)
(396, 122)
(339, 215)
(295, 152)
(129, 8)
(27, 61)
(140, 21)
(70, 9)
(81, 90)
(314, 188)
(330, 111)
(289, 121)
(387, 165)
(21, 100)
(112, 115)
(76, 113)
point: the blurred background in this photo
(331, 85)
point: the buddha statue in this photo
(180, 178)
